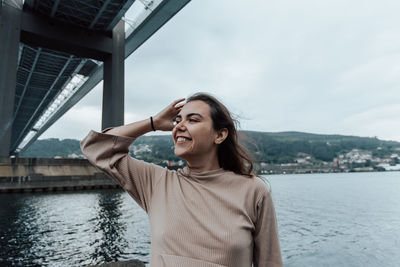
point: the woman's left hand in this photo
(164, 120)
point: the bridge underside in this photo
(54, 52)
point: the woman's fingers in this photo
(174, 104)
(179, 106)
(164, 119)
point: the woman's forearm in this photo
(134, 129)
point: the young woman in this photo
(212, 213)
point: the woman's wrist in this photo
(160, 124)
(152, 124)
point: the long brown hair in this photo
(232, 155)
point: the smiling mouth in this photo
(182, 139)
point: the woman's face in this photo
(193, 134)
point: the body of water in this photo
(345, 219)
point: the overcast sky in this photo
(318, 66)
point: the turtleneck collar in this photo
(206, 175)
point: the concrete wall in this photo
(12, 167)
(31, 174)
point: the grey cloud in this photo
(281, 65)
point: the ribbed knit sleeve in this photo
(110, 153)
(266, 251)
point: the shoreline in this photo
(49, 175)
(299, 173)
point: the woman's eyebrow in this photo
(194, 114)
(179, 116)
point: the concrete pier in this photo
(38, 175)
(10, 25)
(114, 81)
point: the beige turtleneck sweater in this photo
(210, 219)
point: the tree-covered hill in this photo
(281, 147)
(53, 147)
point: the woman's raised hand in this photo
(164, 120)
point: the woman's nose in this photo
(180, 125)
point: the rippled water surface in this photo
(324, 220)
(346, 219)
(72, 229)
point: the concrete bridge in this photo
(53, 52)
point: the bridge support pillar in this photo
(10, 27)
(114, 82)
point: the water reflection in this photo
(109, 229)
(8, 239)
(70, 228)
(17, 222)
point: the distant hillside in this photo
(53, 147)
(282, 147)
